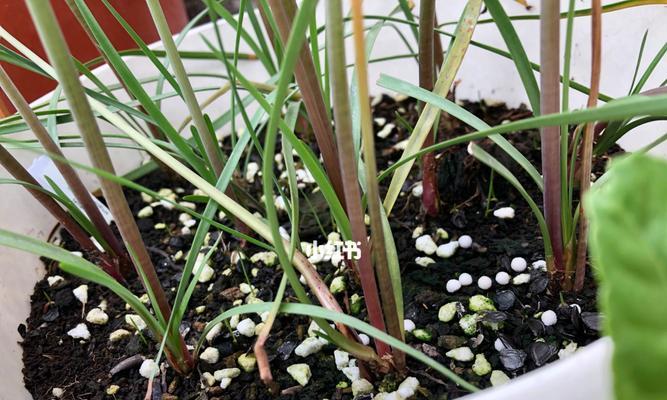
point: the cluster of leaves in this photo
(307, 76)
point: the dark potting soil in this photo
(82, 368)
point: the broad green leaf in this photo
(628, 239)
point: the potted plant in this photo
(218, 271)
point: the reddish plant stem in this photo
(430, 195)
(587, 146)
(313, 99)
(348, 166)
(390, 308)
(550, 136)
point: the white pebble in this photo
(503, 278)
(539, 265)
(549, 318)
(418, 190)
(314, 329)
(424, 261)
(484, 282)
(461, 354)
(408, 325)
(245, 288)
(361, 387)
(226, 373)
(521, 279)
(149, 368)
(447, 250)
(279, 202)
(119, 334)
(385, 131)
(246, 327)
(300, 373)
(309, 346)
(146, 197)
(465, 279)
(365, 340)
(55, 280)
(97, 316)
(570, 349)
(251, 171)
(225, 382)
(247, 362)
(267, 257)
(81, 293)
(57, 392)
(499, 345)
(79, 332)
(465, 241)
(408, 387)
(352, 373)
(210, 355)
(208, 377)
(518, 264)
(453, 285)
(447, 311)
(304, 176)
(337, 285)
(504, 213)
(498, 378)
(418, 232)
(425, 244)
(342, 358)
(145, 212)
(214, 332)
(135, 321)
(201, 264)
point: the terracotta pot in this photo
(14, 17)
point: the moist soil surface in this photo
(82, 368)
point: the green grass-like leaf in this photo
(517, 51)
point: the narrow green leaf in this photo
(517, 51)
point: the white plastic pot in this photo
(585, 375)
